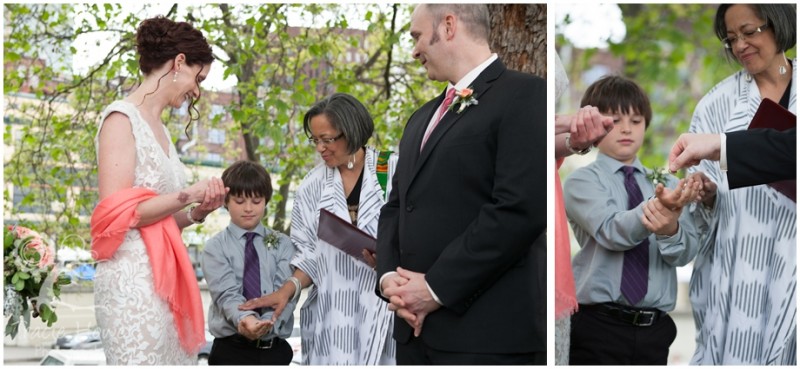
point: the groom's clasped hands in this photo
(409, 297)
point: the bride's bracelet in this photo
(191, 219)
(297, 287)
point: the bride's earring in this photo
(175, 77)
(350, 162)
(782, 68)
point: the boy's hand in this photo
(253, 328)
(687, 190)
(660, 220)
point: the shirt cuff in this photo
(669, 238)
(380, 282)
(433, 294)
(723, 153)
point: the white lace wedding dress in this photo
(136, 325)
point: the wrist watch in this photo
(577, 152)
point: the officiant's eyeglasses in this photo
(744, 36)
(324, 141)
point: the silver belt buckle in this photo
(637, 321)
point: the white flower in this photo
(271, 241)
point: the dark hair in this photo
(474, 16)
(781, 18)
(247, 178)
(615, 94)
(347, 115)
(159, 40)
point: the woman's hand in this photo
(708, 189)
(369, 256)
(276, 301)
(213, 197)
(589, 126)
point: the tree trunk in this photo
(279, 222)
(519, 36)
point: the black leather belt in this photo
(259, 344)
(640, 317)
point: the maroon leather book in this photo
(772, 115)
(344, 235)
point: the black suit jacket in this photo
(469, 212)
(761, 156)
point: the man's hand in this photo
(412, 301)
(393, 279)
(690, 148)
(253, 328)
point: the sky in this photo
(590, 24)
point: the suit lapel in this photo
(412, 138)
(480, 86)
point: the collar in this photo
(238, 232)
(470, 77)
(614, 165)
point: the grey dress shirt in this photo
(223, 266)
(597, 207)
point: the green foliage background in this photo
(51, 112)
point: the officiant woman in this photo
(342, 321)
(744, 281)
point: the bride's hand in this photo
(213, 197)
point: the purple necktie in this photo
(634, 266)
(251, 278)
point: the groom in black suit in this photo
(461, 241)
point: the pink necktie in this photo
(448, 99)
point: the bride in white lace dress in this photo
(134, 151)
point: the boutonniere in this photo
(658, 175)
(464, 98)
(271, 241)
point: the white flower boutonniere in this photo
(271, 240)
(464, 98)
(659, 175)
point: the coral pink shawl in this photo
(566, 302)
(173, 274)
